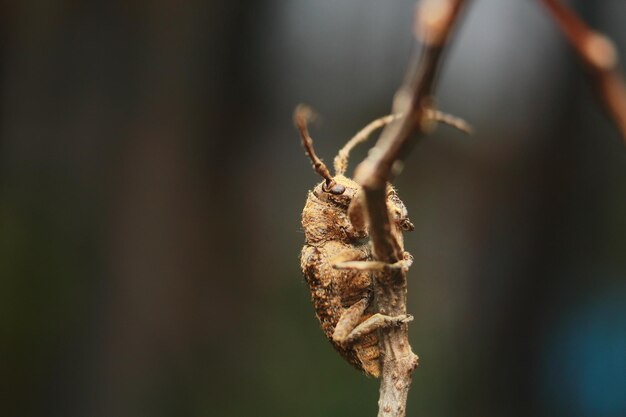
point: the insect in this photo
(336, 259)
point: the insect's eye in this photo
(337, 189)
(406, 225)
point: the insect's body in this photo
(337, 257)
(332, 295)
(330, 240)
(329, 234)
(337, 260)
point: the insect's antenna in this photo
(341, 160)
(450, 120)
(301, 116)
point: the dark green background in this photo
(151, 185)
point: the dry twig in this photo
(434, 20)
(600, 58)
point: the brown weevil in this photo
(337, 260)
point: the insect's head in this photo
(339, 190)
(339, 193)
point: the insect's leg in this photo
(403, 264)
(375, 322)
(347, 256)
(349, 320)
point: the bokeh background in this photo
(151, 185)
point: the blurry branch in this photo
(434, 20)
(599, 56)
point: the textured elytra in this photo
(340, 294)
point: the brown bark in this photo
(434, 20)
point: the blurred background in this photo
(151, 185)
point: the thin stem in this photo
(434, 21)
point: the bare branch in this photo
(599, 56)
(434, 20)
